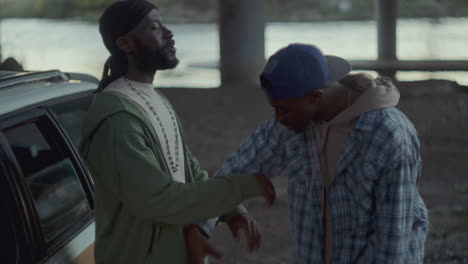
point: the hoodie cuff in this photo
(247, 185)
(207, 227)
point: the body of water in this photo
(76, 46)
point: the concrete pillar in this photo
(242, 40)
(386, 16)
(0, 36)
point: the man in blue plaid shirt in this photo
(352, 160)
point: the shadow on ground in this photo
(217, 120)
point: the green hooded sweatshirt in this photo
(140, 211)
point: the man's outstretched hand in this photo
(198, 246)
(250, 229)
(267, 190)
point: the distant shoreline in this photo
(177, 12)
(72, 45)
(184, 20)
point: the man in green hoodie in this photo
(352, 158)
(149, 190)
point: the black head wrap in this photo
(117, 20)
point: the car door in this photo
(13, 239)
(51, 182)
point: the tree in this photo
(91, 4)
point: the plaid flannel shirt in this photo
(378, 215)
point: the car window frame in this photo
(42, 250)
(9, 193)
(47, 106)
(83, 168)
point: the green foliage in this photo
(19, 9)
(460, 8)
(360, 10)
(420, 8)
(91, 4)
(363, 9)
(55, 8)
(205, 10)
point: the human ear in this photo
(124, 44)
(315, 96)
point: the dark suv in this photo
(46, 192)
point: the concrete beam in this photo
(242, 40)
(410, 65)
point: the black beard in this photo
(149, 61)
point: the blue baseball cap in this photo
(299, 69)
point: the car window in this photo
(50, 175)
(71, 115)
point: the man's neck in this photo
(139, 76)
(335, 101)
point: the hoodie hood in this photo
(105, 105)
(331, 137)
(376, 93)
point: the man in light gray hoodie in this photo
(352, 158)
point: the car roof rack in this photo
(82, 77)
(27, 77)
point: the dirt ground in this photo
(217, 120)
